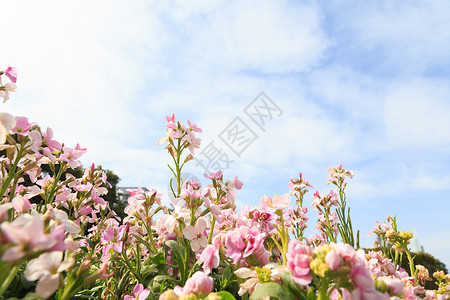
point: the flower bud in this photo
(213, 296)
(168, 295)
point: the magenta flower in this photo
(139, 293)
(243, 242)
(11, 72)
(298, 258)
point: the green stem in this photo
(9, 279)
(211, 229)
(12, 171)
(323, 291)
(411, 265)
(55, 186)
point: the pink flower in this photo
(271, 205)
(213, 175)
(243, 242)
(26, 234)
(11, 72)
(196, 234)
(364, 285)
(198, 284)
(22, 126)
(52, 144)
(298, 258)
(210, 258)
(139, 293)
(21, 203)
(193, 127)
(171, 119)
(47, 268)
(114, 236)
(71, 156)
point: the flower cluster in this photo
(5, 89)
(58, 233)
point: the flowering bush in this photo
(60, 239)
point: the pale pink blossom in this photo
(210, 258)
(193, 127)
(53, 145)
(113, 235)
(71, 156)
(7, 123)
(139, 293)
(196, 234)
(21, 204)
(214, 176)
(199, 284)
(5, 95)
(26, 235)
(60, 217)
(271, 205)
(22, 126)
(10, 87)
(47, 268)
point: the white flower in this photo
(10, 87)
(196, 234)
(7, 122)
(60, 217)
(46, 269)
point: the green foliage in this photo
(429, 262)
(272, 289)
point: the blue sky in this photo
(365, 85)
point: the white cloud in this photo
(239, 36)
(406, 37)
(417, 115)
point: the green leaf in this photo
(292, 286)
(271, 289)
(311, 295)
(178, 254)
(159, 259)
(225, 295)
(146, 243)
(165, 277)
(226, 277)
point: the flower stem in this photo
(9, 279)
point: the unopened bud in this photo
(83, 269)
(213, 296)
(382, 286)
(168, 295)
(188, 158)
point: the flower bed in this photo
(60, 239)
